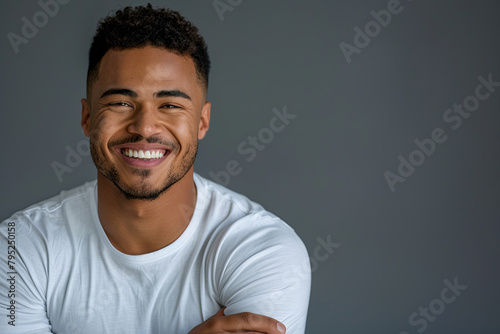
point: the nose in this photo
(145, 122)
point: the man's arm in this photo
(241, 322)
(23, 279)
(262, 267)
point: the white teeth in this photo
(142, 154)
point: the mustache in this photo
(150, 140)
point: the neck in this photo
(137, 226)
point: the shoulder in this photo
(229, 204)
(49, 215)
(245, 232)
(42, 229)
(237, 217)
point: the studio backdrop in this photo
(371, 127)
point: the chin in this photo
(146, 189)
(144, 196)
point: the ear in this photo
(85, 117)
(204, 120)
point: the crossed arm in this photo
(239, 323)
(272, 278)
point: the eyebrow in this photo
(119, 91)
(160, 94)
(172, 93)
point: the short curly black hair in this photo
(137, 27)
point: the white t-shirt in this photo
(66, 277)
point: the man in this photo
(150, 246)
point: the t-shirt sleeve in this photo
(23, 277)
(263, 267)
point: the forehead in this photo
(147, 67)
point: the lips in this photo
(143, 155)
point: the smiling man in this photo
(150, 246)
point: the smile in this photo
(143, 154)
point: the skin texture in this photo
(239, 323)
(151, 98)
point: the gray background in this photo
(323, 174)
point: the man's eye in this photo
(169, 106)
(119, 104)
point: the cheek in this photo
(186, 130)
(105, 120)
(96, 142)
(103, 128)
(99, 138)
